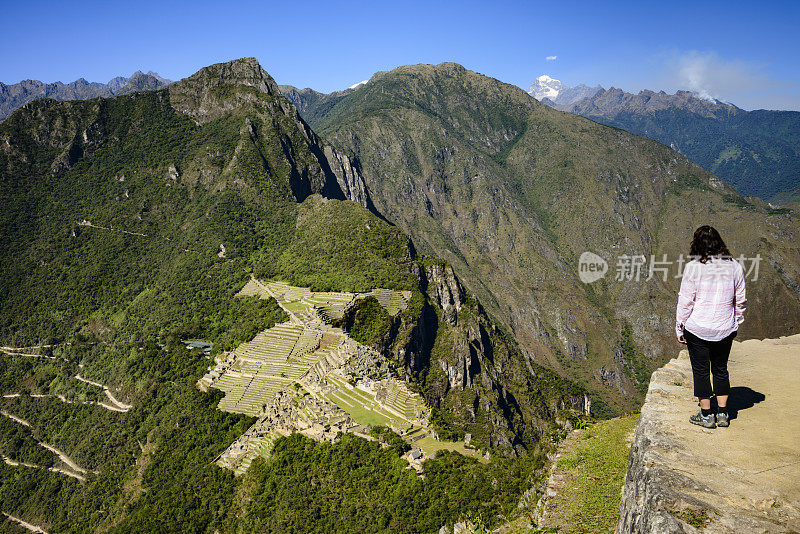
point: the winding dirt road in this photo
(20, 522)
(15, 463)
(63, 457)
(120, 406)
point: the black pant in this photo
(714, 354)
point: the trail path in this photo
(20, 522)
(63, 457)
(7, 350)
(117, 407)
(15, 418)
(90, 225)
(25, 348)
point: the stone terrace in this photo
(306, 376)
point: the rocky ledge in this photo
(743, 479)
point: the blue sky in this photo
(745, 53)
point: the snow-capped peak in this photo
(359, 84)
(545, 87)
(559, 94)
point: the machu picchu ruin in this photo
(307, 376)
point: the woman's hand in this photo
(682, 339)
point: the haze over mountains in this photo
(15, 95)
(757, 152)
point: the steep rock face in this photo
(243, 87)
(303, 99)
(685, 479)
(347, 176)
(313, 105)
(470, 372)
(214, 91)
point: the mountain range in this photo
(15, 95)
(558, 94)
(511, 193)
(132, 222)
(757, 152)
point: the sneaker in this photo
(707, 421)
(723, 419)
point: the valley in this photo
(511, 192)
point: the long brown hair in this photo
(707, 243)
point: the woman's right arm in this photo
(740, 296)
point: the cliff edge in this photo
(684, 478)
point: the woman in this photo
(711, 307)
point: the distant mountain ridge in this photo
(313, 105)
(12, 96)
(558, 94)
(757, 152)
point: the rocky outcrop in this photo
(470, 372)
(446, 290)
(214, 91)
(684, 478)
(348, 177)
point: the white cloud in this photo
(551, 58)
(711, 76)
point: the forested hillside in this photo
(130, 225)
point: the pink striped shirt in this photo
(712, 299)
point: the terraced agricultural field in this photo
(272, 361)
(310, 306)
(361, 406)
(259, 446)
(430, 445)
(393, 301)
(403, 401)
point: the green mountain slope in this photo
(511, 192)
(129, 225)
(757, 152)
